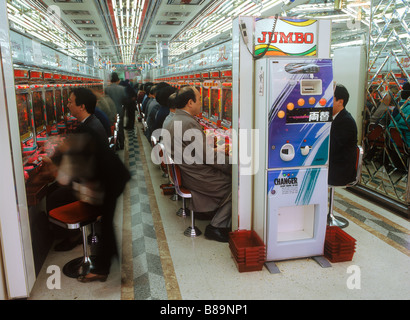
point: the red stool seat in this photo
(75, 215)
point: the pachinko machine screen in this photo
(59, 106)
(227, 106)
(38, 109)
(26, 130)
(214, 113)
(50, 107)
(205, 102)
(65, 101)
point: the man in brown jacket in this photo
(205, 172)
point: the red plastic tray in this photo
(339, 246)
(248, 250)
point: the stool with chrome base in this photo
(77, 215)
(175, 175)
(182, 211)
(340, 222)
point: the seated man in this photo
(210, 182)
(343, 141)
(401, 119)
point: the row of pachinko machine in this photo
(215, 88)
(43, 114)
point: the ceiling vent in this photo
(88, 28)
(77, 12)
(159, 35)
(176, 14)
(169, 23)
(80, 21)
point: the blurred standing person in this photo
(106, 105)
(140, 98)
(130, 105)
(91, 173)
(118, 95)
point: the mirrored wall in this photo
(386, 128)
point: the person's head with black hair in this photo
(147, 89)
(340, 98)
(152, 91)
(157, 87)
(188, 99)
(163, 94)
(172, 101)
(82, 102)
(114, 77)
(405, 93)
(341, 93)
(86, 97)
(147, 86)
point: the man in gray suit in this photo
(118, 95)
(206, 173)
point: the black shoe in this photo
(67, 244)
(217, 234)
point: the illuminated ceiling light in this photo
(33, 18)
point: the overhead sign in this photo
(291, 37)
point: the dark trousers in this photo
(130, 109)
(121, 129)
(107, 242)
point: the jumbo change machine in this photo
(295, 116)
(293, 113)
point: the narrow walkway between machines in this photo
(152, 270)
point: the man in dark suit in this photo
(343, 141)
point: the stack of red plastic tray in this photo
(339, 246)
(248, 250)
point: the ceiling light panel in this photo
(184, 2)
(128, 16)
(77, 12)
(33, 18)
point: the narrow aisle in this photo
(149, 247)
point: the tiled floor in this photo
(159, 262)
(148, 276)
